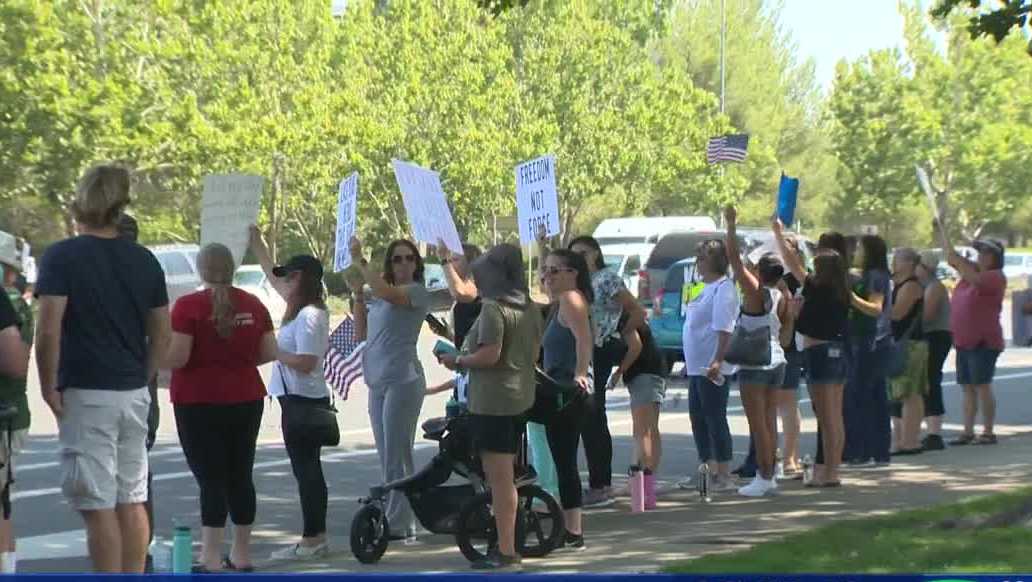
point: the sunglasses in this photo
(553, 271)
(399, 259)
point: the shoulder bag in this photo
(308, 420)
(750, 347)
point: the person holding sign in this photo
(612, 300)
(299, 385)
(977, 334)
(392, 318)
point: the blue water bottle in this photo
(182, 550)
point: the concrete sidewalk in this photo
(683, 527)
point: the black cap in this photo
(303, 263)
(988, 245)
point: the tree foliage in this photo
(995, 19)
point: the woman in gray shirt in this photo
(390, 320)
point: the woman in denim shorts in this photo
(822, 322)
(762, 306)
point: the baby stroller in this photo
(462, 510)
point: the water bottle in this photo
(807, 470)
(704, 483)
(779, 465)
(182, 550)
(452, 408)
(161, 552)
(637, 487)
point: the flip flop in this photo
(229, 565)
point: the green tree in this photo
(994, 19)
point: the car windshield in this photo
(675, 276)
(613, 261)
(1013, 261)
(248, 278)
(675, 247)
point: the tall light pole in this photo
(723, 46)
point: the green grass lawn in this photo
(905, 542)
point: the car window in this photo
(675, 247)
(633, 266)
(433, 276)
(613, 261)
(175, 264)
(1013, 261)
(675, 277)
(248, 278)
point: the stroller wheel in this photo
(476, 534)
(539, 522)
(369, 534)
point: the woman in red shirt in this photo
(220, 336)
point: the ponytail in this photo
(223, 312)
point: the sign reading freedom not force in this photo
(229, 206)
(347, 206)
(537, 202)
(426, 206)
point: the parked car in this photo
(179, 262)
(681, 285)
(1017, 264)
(251, 278)
(670, 249)
(436, 284)
(627, 261)
(619, 231)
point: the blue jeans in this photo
(865, 402)
(707, 408)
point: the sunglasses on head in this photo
(399, 259)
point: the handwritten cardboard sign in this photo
(347, 208)
(426, 205)
(229, 206)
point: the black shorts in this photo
(497, 434)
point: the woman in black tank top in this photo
(910, 387)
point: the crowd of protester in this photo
(869, 340)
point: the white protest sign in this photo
(229, 206)
(537, 202)
(347, 208)
(926, 186)
(426, 206)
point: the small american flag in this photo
(727, 148)
(343, 364)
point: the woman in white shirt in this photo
(763, 305)
(297, 380)
(709, 321)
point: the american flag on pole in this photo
(727, 148)
(343, 364)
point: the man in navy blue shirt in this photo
(102, 327)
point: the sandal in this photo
(228, 564)
(986, 439)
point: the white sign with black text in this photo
(347, 209)
(426, 206)
(537, 201)
(229, 206)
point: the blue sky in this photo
(830, 30)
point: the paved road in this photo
(51, 536)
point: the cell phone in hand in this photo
(442, 348)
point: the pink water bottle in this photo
(637, 487)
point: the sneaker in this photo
(933, 442)
(686, 483)
(573, 543)
(498, 561)
(723, 484)
(758, 487)
(597, 498)
(986, 439)
(299, 552)
(964, 439)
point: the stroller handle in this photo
(553, 385)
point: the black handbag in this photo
(552, 397)
(308, 420)
(750, 347)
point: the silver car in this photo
(180, 265)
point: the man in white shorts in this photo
(103, 325)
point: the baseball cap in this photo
(988, 245)
(9, 252)
(300, 263)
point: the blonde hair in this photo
(216, 267)
(102, 194)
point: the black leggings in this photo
(306, 464)
(219, 441)
(563, 431)
(598, 442)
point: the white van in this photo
(648, 229)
